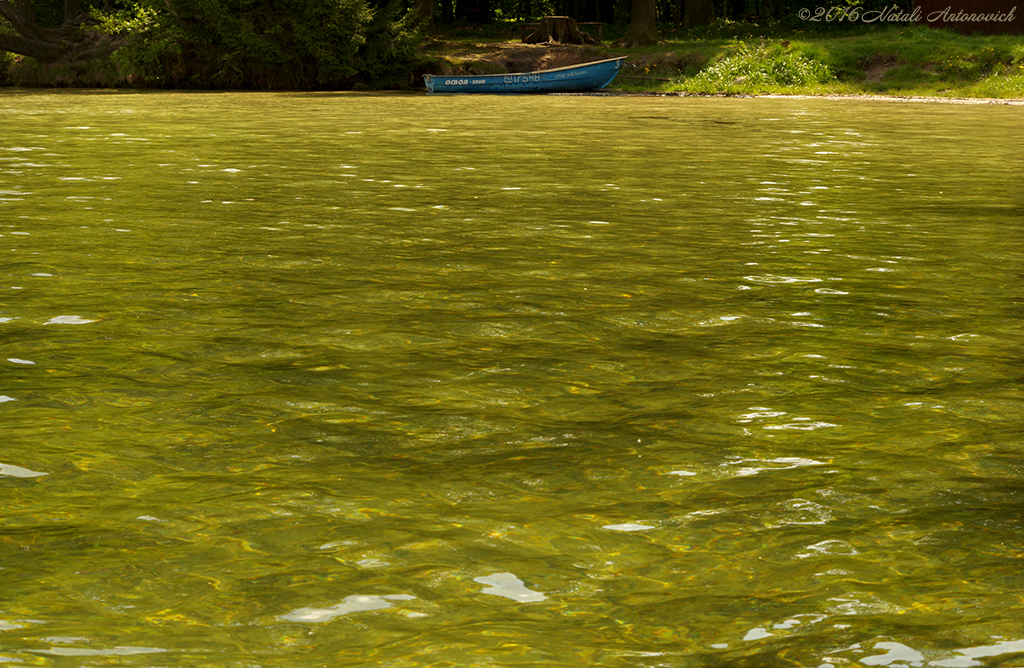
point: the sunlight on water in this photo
(350, 380)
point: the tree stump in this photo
(560, 29)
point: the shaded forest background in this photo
(300, 44)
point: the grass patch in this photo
(773, 58)
(768, 68)
(912, 60)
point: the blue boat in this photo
(571, 79)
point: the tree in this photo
(561, 29)
(424, 10)
(214, 43)
(260, 43)
(45, 44)
(643, 24)
(473, 11)
(698, 13)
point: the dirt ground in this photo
(500, 57)
(504, 57)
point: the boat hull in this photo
(572, 79)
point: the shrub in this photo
(259, 43)
(146, 44)
(762, 67)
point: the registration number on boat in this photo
(463, 82)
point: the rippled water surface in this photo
(383, 380)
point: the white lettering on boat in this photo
(463, 82)
(521, 78)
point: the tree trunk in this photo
(643, 24)
(43, 44)
(561, 29)
(473, 11)
(70, 10)
(22, 17)
(424, 13)
(525, 10)
(698, 13)
(44, 52)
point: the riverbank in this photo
(1013, 102)
(908, 62)
(727, 58)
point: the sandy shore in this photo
(1018, 102)
(898, 98)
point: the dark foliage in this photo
(265, 44)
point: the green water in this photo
(407, 381)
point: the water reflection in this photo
(18, 471)
(358, 603)
(509, 586)
(737, 385)
(82, 651)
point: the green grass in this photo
(911, 60)
(849, 59)
(749, 58)
(768, 67)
